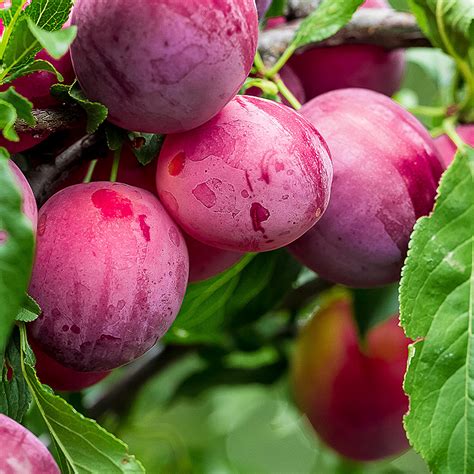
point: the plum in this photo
(447, 149)
(386, 172)
(254, 178)
(110, 274)
(29, 203)
(163, 66)
(23, 452)
(60, 378)
(291, 81)
(352, 397)
(325, 69)
(206, 262)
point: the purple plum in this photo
(163, 66)
(29, 203)
(386, 172)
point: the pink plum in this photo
(386, 172)
(60, 378)
(110, 275)
(206, 262)
(352, 65)
(163, 66)
(29, 202)
(353, 397)
(447, 149)
(23, 452)
(254, 178)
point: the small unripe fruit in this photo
(23, 452)
(446, 147)
(323, 69)
(352, 395)
(110, 274)
(254, 178)
(386, 172)
(163, 66)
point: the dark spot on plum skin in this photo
(75, 329)
(176, 165)
(258, 214)
(145, 228)
(65, 328)
(111, 204)
(205, 195)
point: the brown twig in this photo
(45, 178)
(53, 120)
(381, 27)
(120, 396)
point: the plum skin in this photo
(254, 178)
(60, 378)
(386, 172)
(206, 262)
(446, 147)
(354, 400)
(22, 452)
(366, 66)
(163, 66)
(110, 274)
(29, 202)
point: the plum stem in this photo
(428, 111)
(282, 60)
(90, 171)
(449, 126)
(287, 94)
(115, 165)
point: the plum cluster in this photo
(340, 183)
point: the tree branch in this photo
(53, 120)
(381, 27)
(120, 396)
(46, 177)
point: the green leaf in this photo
(49, 15)
(7, 14)
(7, 121)
(116, 136)
(83, 446)
(447, 23)
(325, 21)
(374, 305)
(15, 398)
(437, 311)
(146, 146)
(244, 292)
(56, 43)
(22, 47)
(21, 104)
(35, 66)
(29, 311)
(277, 8)
(16, 252)
(96, 112)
